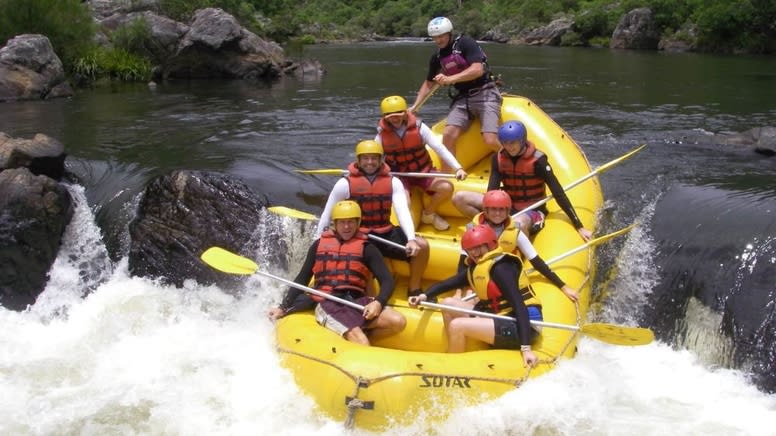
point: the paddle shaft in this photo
(495, 316)
(311, 290)
(590, 243)
(386, 241)
(282, 210)
(573, 251)
(440, 175)
(338, 172)
(431, 92)
(595, 172)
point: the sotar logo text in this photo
(444, 381)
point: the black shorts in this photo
(396, 234)
(506, 336)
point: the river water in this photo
(137, 357)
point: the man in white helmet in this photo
(460, 62)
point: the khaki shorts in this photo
(482, 103)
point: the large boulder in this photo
(550, 34)
(715, 253)
(636, 30)
(105, 8)
(184, 213)
(34, 213)
(165, 33)
(683, 40)
(761, 139)
(212, 45)
(29, 69)
(42, 155)
(217, 46)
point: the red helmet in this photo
(479, 235)
(497, 198)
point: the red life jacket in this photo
(375, 198)
(406, 153)
(519, 177)
(339, 265)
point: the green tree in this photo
(68, 24)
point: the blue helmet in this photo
(512, 131)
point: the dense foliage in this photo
(714, 25)
(719, 25)
(68, 24)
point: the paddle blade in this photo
(228, 262)
(327, 172)
(618, 334)
(293, 213)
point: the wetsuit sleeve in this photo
(504, 273)
(462, 262)
(375, 262)
(494, 182)
(294, 301)
(340, 191)
(459, 280)
(541, 266)
(529, 252)
(544, 171)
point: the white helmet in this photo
(439, 26)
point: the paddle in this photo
(293, 213)
(228, 262)
(609, 333)
(590, 243)
(595, 172)
(338, 172)
(434, 89)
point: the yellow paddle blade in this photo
(328, 172)
(618, 334)
(293, 213)
(228, 262)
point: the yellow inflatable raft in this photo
(390, 382)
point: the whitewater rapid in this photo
(134, 356)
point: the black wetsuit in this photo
(296, 300)
(504, 274)
(544, 171)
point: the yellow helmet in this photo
(392, 104)
(346, 209)
(368, 146)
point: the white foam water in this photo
(138, 357)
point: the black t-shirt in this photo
(469, 50)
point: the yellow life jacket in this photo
(507, 240)
(486, 289)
